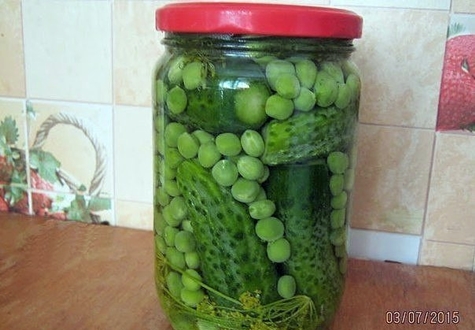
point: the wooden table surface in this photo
(66, 275)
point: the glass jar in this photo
(255, 110)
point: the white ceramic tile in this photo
(300, 2)
(391, 178)
(463, 6)
(137, 48)
(400, 56)
(451, 203)
(134, 215)
(415, 4)
(68, 50)
(374, 245)
(133, 146)
(12, 71)
(443, 254)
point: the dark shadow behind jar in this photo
(255, 111)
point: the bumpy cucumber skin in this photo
(211, 107)
(302, 197)
(233, 259)
(308, 135)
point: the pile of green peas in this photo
(234, 163)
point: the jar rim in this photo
(259, 19)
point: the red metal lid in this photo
(259, 19)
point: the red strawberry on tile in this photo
(457, 94)
(3, 203)
(38, 182)
(6, 170)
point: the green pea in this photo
(186, 225)
(160, 144)
(344, 96)
(337, 162)
(287, 85)
(337, 183)
(286, 286)
(171, 187)
(245, 191)
(168, 172)
(174, 285)
(264, 60)
(159, 222)
(192, 260)
(176, 100)
(353, 156)
(252, 143)
(175, 71)
(334, 70)
(208, 154)
(326, 89)
(278, 107)
(187, 145)
(305, 101)
(349, 67)
(162, 197)
(261, 209)
(193, 75)
(175, 258)
(202, 136)
(172, 131)
(192, 298)
(185, 241)
(343, 264)
(178, 208)
(250, 168)
(269, 229)
(338, 236)
(190, 280)
(339, 202)
(225, 172)
(249, 104)
(278, 251)
(169, 217)
(306, 72)
(340, 250)
(173, 157)
(228, 144)
(337, 218)
(169, 234)
(276, 68)
(160, 91)
(349, 179)
(261, 195)
(265, 176)
(160, 244)
(353, 81)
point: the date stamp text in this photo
(422, 317)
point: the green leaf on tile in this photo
(9, 130)
(78, 210)
(99, 204)
(14, 194)
(45, 163)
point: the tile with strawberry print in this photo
(457, 93)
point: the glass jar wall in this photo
(254, 165)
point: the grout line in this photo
(26, 121)
(112, 158)
(397, 126)
(426, 202)
(449, 242)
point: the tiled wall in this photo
(80, 72)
